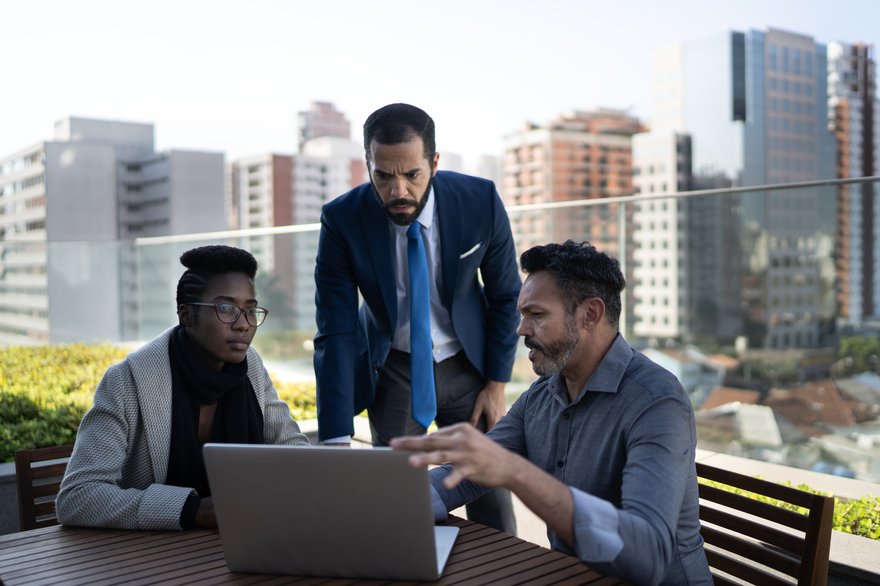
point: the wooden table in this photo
(68, 555)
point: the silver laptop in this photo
(322, 511)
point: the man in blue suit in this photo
(362, 356)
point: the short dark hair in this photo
(398, 123)
(205, 262)
(581, 271)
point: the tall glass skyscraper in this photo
(757, 264)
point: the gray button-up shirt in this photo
(625, 448)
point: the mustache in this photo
(400, 201)
(532, 345)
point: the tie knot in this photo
(413, 230)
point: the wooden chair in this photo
(761, 543)
(38, 475)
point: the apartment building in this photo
(69, 209)
(322, 119)
(281, 190)
(326, 168)
(852, 115)
(658, 287)
(581, 155)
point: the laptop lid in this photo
(323, 511)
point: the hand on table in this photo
(205, 516)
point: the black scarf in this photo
(238, 418)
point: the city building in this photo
(754, 105)
(69, 209)
(322, 119)
(660, 277)
(281, 190)
(581, 155)
(852, 115)
(490, 167)
(326, 168)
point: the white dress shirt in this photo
(445, 341)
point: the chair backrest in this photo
(38, 475)
(763, 543)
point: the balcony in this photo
(760, 324)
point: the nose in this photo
(241, 322)
(521, 329)
(398, 187)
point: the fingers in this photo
(493, 416)
(423, 459)
(409, 442)
(453, 478)
(477, 413)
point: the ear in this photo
(434, 164)
(594, 312)
(184, 317)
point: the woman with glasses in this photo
(137, 462)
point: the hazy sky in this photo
(231, 76)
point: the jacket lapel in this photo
(449, 213)
(151, 369)
(377, 236)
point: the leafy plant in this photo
(856, 516)
(859, 517)
(46, 390)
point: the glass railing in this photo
(764, 302)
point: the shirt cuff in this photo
(343, 439)
(596, 536)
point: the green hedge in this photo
(860, 517)
(45, 391)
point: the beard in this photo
(555, 354)
(404, 219)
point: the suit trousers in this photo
(457, 384)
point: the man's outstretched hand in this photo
(472, 455)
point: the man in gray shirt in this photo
(601, 447)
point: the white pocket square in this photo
(471, 251)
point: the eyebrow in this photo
(532, 305)
(411, 171)
(232, 300)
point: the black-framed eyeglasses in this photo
(228, 312)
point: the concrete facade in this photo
(581, 155)
(659, 285)
(281, 190)
(322, 119)
(70, 208)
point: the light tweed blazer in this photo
(120, 460)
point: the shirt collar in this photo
(607, 375)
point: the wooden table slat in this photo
(74, 556)
(125, 563)
(549, 572)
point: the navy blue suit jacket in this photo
(355, 254)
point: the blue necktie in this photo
(424, 399)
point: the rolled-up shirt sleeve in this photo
(596, 534)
